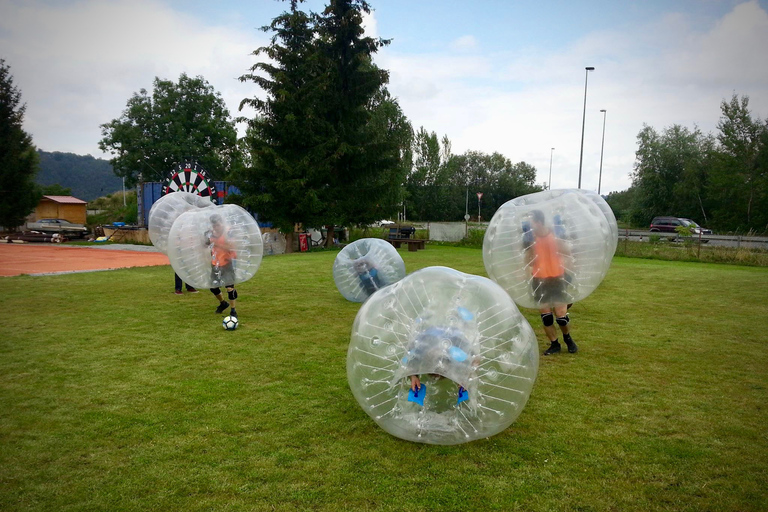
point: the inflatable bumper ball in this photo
(215, 247)
(365, 266)
(465, 339)
(552, 247)
(166, 210)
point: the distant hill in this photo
(88, 177)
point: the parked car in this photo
(61, 226)
(670, 225)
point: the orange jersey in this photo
(221, 254)
(546, 260)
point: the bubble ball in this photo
(551, 247)
(166, 210)
(451, 329)
(609, 216)
(215, 247)
(365, 266)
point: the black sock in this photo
(567, 338)
(556, 342)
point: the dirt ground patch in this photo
(17, 259)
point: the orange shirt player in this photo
(223, 258)
(545, 254)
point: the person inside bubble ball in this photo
(545, 255)
(368, 274)
(223, 258)
(430, 346)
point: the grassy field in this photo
(116, 394)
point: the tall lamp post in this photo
(550, 168)
(602, 146)
(584, 119)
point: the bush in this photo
(473, 239)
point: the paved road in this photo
(748, 242)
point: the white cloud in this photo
(523, 102)
(370, 26)
(77, 65)
(464, 43)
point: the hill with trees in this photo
(87, 177)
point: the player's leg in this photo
(564, 321)
(232, 296)
(222, 303)
(548, 320)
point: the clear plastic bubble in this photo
(215, 247)
(365, 266)
(452, 329)
(166, 210)
(551, 247)
(274, 243)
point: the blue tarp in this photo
(153, 190)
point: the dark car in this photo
(670, 225)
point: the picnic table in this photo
(399, 235)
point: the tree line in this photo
(719, 180)
(328, 144)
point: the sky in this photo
(492, 75)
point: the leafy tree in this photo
(180, 120)
(739, 180)
(428, 182)
(622, 203)
(329, 144)
(357, 158)
(283, 179)
(56, 190)
(669, 173)
(18, 158)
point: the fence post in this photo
(698, 253)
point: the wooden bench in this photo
(413, 245)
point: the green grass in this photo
(660, 249)
(116, 394)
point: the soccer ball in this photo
(229, 323)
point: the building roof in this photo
(65, 199)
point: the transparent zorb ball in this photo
(166, 210)
(462, 335)
(215, 247)
(550, 248)
(365, 266)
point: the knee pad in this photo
(547, 319)
(562, 321)
(216, 291)
(232, 294)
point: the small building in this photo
(61, 207)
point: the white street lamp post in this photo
(584, 119)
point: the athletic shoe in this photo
(177, 292)
(191, 290)
(224, 305)
(572, 348)
(554, 348)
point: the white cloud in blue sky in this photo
(492, 75)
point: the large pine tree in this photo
(363, 162)
(328, 145)
(18, 157)
(284, 178)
